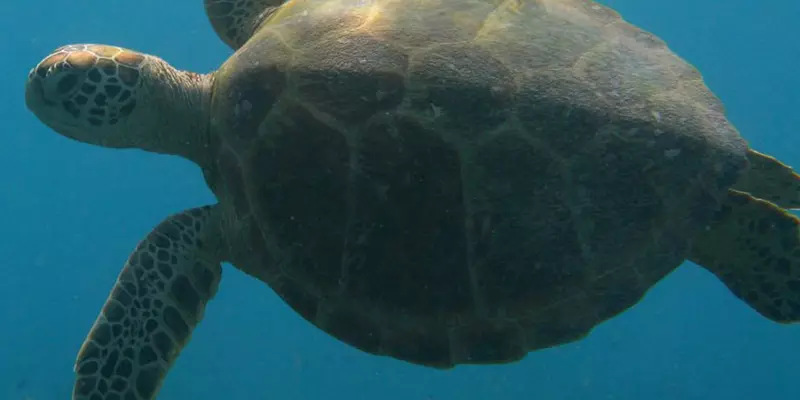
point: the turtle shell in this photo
(451, 182)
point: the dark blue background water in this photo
(71, 214)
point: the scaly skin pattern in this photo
(158, 299)
(105, 96)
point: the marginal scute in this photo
(418, 346)
(297, 297)
(641, 36)
(489, 343)
(555, 327)
(621, 77)
(598, 13)
(616, 290)
(521, 48)
(347, 325)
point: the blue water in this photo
(71, 213)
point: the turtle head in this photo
(114, 97)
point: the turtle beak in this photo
(34, 94)
(46, 89)
(36, 100)
(49, 112)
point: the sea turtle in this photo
(440, 181)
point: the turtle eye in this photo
(67, 83)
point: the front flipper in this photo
(771, 180)
(158, 299)
(236, 20)
(753, 246)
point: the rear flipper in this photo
(753, 246)
(771, 180)
(158, 299)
